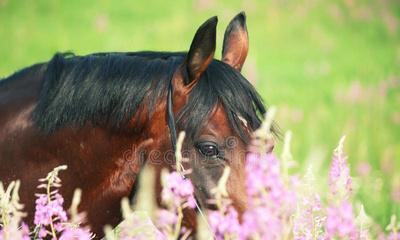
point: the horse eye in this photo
(208, 149)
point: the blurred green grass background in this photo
(331, 67)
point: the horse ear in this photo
(202, 49)
(236, 42)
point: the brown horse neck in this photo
(102, 162)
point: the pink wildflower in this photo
(308, 222)
(393, 236)
(21, 233)
(47, 211)
(25, 231)
(177, 194)
(72, 233)
(166, 218)
(339, 173)
(340, 221)
(226, 224)
(270, 202)
(178, 190)
(261, 222)
(264, 180)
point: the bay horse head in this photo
(106, 114)
(217, 108)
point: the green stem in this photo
(178, 223)
(53, 231)
(4, 220)
(36, 231)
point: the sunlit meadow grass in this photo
(331, 67)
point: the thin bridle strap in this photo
(172, 132)
(170, 115)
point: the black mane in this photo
(109, 88)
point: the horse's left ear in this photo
(202, 50)
(236, 42)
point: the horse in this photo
(105, 115)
